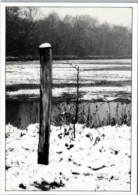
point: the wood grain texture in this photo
(45, 104)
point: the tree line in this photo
(72, 36)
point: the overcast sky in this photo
(117, 16)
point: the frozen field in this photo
(98, 159)
(98, 78)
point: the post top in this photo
(45, 45)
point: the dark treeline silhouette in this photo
(79, 36)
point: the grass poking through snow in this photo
(97, 160)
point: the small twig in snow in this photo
(96, 169)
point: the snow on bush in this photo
(98, 159)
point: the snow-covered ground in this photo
(97, 160)
(107, 78)
(90, 92)
(28, 73)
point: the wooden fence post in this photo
(45, 51)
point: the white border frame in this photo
(134, 96)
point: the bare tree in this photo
(77, 95)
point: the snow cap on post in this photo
(45, 45)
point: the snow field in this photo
(109, 78)
(97, 159)
(30, 74)
(90, 92)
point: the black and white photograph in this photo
(68, 98)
